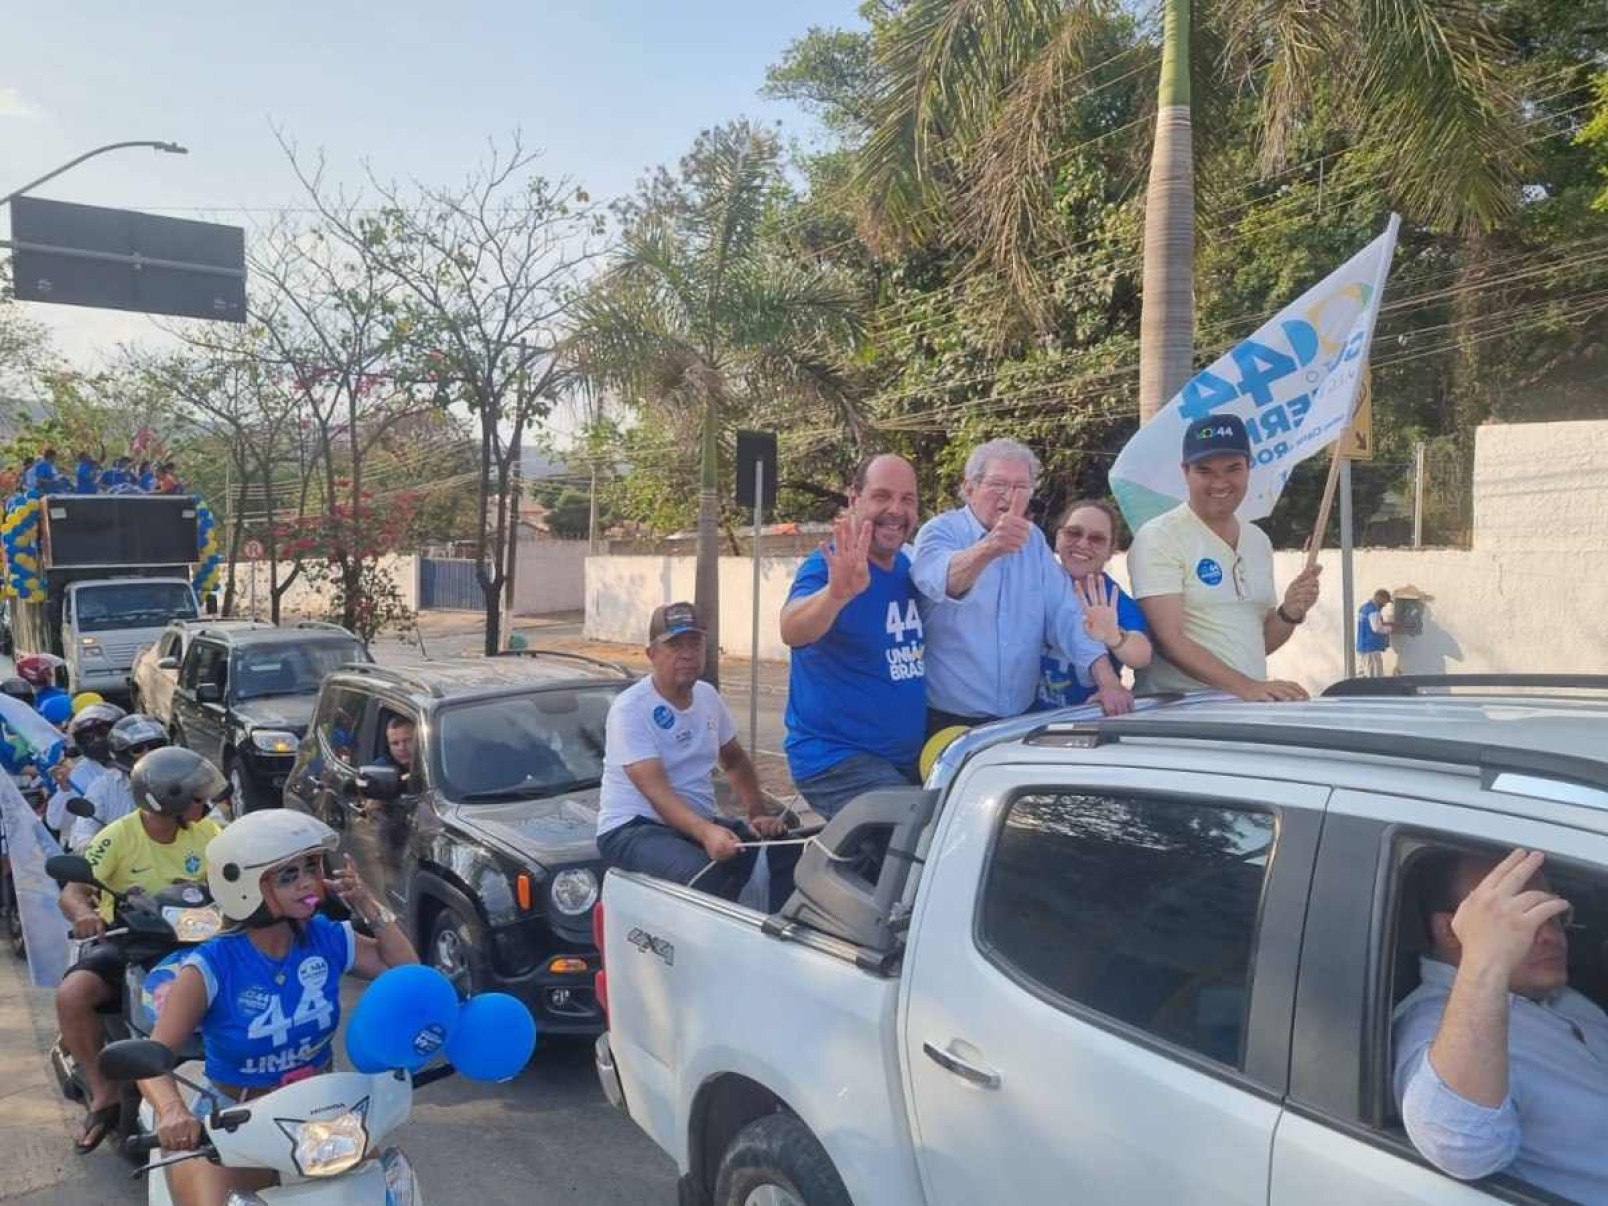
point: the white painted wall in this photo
(1530, 595)
(1494, 612)
(305, 599)
(550, 575)
(1541, 486)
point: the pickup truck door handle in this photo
(979, 1074)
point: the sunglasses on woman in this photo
(311, 866)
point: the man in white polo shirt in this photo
(656, 806)
(1205, 582)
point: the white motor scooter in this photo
(322, 1135)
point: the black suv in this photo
(467, 793)
(245, 695)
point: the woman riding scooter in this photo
(265, 993)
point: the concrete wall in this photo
(1530, 595)
(304, 598)
(622, 591)
(550, 575)
(1541, 486)
(1535, 611)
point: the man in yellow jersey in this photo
(162, 841)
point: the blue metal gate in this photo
(449, 583)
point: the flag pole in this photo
(1364, 383)
(1315, 545)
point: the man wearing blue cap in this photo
(656, 805)
(1205, 578)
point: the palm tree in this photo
(697, 318)
(975, 96)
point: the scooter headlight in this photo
(401, 1186)
(327, 1147)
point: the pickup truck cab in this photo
(1147, 959)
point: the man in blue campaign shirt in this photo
(857, 696)
(1085, 540)
(1373, 634)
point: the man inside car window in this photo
(1500, 1065)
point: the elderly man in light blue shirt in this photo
(1499, 1065)
(993, 597)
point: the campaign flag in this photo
(1294, 382)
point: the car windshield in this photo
(524, 746)
(132, 605)
(289, 668)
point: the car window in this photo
(338, 724)
(1429, 873)
(207, 663)
(169, 646)
(290, 668)
(1144, 910)
(536, 744)
(394, 741)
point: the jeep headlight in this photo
(574, 891)
(275, 741)
(193, 925)
(90, 647)
(330, 1146)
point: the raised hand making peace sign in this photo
(847, 573)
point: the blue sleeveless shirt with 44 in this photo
(267, 1018)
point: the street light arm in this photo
(171, 148)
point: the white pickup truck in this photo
(1142, 960)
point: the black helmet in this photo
(135, 735)
(167, 781)
(91, 730)
(18, 688)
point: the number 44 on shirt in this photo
(905, 620)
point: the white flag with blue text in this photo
(1294, 382)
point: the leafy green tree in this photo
(975, 101)
(697, 318)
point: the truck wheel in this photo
(454, 950)
(775, 1161)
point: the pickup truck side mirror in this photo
(208, 693)
(379, 782)
(167, 663)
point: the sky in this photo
(607, 88)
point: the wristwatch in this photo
(1286, 616)
(381, 919)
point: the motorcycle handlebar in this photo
(142, 1144)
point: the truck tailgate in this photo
(697, 991)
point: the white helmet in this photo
(259, 841)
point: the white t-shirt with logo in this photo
(1227, 592)
(643, 724)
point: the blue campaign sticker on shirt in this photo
(192, 864)
(1208, 571)
(664, 717)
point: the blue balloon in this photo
(358, 1053)
(405, 1018)
(494, 1039)
(57, 708)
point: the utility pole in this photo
(1418, 495)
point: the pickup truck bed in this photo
(691, 1036)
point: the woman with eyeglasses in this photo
(1085, 541)
(265, 993)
